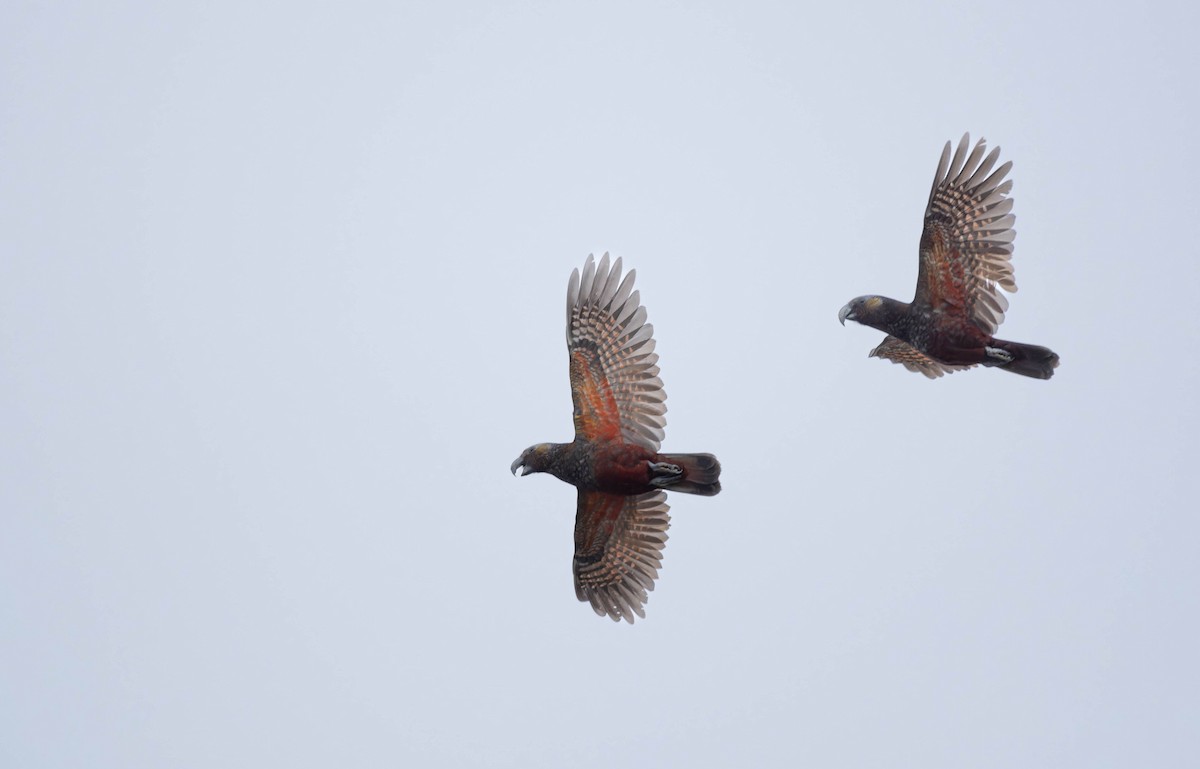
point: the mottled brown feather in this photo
(967, 240)
(899, 351)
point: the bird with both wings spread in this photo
(621, 515)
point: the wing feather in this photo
(966, 243)
(614, 370)
(899, 351)
(618, 550)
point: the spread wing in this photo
(898, 351)
(967, 242)
(614, 371)
(618, 550)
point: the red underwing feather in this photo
(614, 369)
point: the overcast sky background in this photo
(281, 298)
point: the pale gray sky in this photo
(281, 297)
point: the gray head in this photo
(878, 312)
(535, 459)
(861, 309)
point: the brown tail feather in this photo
(701, 473)
(1028, 359)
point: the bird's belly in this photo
(624, 471)
(955, 346)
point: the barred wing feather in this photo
(618, 550)
(614, 369)
(899, 351)
(967, 240)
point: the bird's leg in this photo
(664, 473)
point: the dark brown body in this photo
(623, 468)
(939, 335)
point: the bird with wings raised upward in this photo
(966, 251)
(621, 516)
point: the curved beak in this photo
(845, 314)
(518, 464)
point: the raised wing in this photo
(614, 371)
(899, 351)
(618, 550)
(967, 241)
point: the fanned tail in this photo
(701, 473)
(1027, 359)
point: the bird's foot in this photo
(664, 473)
(997, 356)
